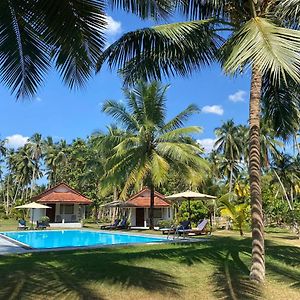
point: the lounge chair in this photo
(111, 226)
(123, 224)
(201, 228)
(41, 225)
(22, 225)
(183, 225)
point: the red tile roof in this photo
(138, 200)
(66, 195)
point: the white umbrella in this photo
(32, 206)
(189, 195)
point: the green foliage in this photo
(198, 212)
(165, 224)
(44, 219)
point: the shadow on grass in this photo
(74, 274)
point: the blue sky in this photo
(61, 113)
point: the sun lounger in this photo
(41, 225)
(22, 225)
(123, 224)
(111, 226)
(183, 225)
(201, 228)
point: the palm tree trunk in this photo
(151, 215)
(257, 272)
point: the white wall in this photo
(37, 213)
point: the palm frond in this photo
(24, 56)
(165, 50)
(74, 29)
(221, 9)
(118, 111)
(159, 168)
(178, 121)
(281, 105)
(179, 132)
(273, 50)
(155, 9)
(288, 12)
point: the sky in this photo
(63, 114)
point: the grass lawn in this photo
(212, 269)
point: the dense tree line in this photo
(144, 149)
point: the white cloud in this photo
(239, 96)
(207, 144)
(16, 140)
(113, 27)
(213, 109)
(39, 99)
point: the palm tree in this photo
(260, 38)
(36, 145)
(35, 36)
(55, 158)
(230, 144)
(151, 146)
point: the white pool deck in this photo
(8, 247)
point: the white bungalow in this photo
(139, 205)
(67, 206)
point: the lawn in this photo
(212, 269)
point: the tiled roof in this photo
(67, 196)
(138, 200)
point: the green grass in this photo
(213, 269)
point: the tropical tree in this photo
(151, 146)
(261, 37)
(239, 213)
(36, 145)
(230, 144)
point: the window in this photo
(157, 213)
(67, 209)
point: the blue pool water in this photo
(75, 238)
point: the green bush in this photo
(165, 223)
(44, 219)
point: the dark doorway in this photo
(50, 212)
(140, 217)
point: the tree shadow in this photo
(66, 276)
(70, 274)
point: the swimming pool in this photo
(76, 238)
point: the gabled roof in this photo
(61, 193)
(139, 200)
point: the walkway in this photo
(7, 247)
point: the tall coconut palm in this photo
(151, 146)
(55, 157)
(260, 38)
(66, 34)
(36, 145)
(230, 144)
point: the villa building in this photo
(68, 207)
(139, 206)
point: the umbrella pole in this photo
(32, 217)
(189, 208)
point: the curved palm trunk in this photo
(257, 272)
(151, 216)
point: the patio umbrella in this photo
(32, 206)
(189, 195)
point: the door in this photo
(50, 212)
(139, 217)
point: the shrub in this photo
(165, 223)
(44, 219)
